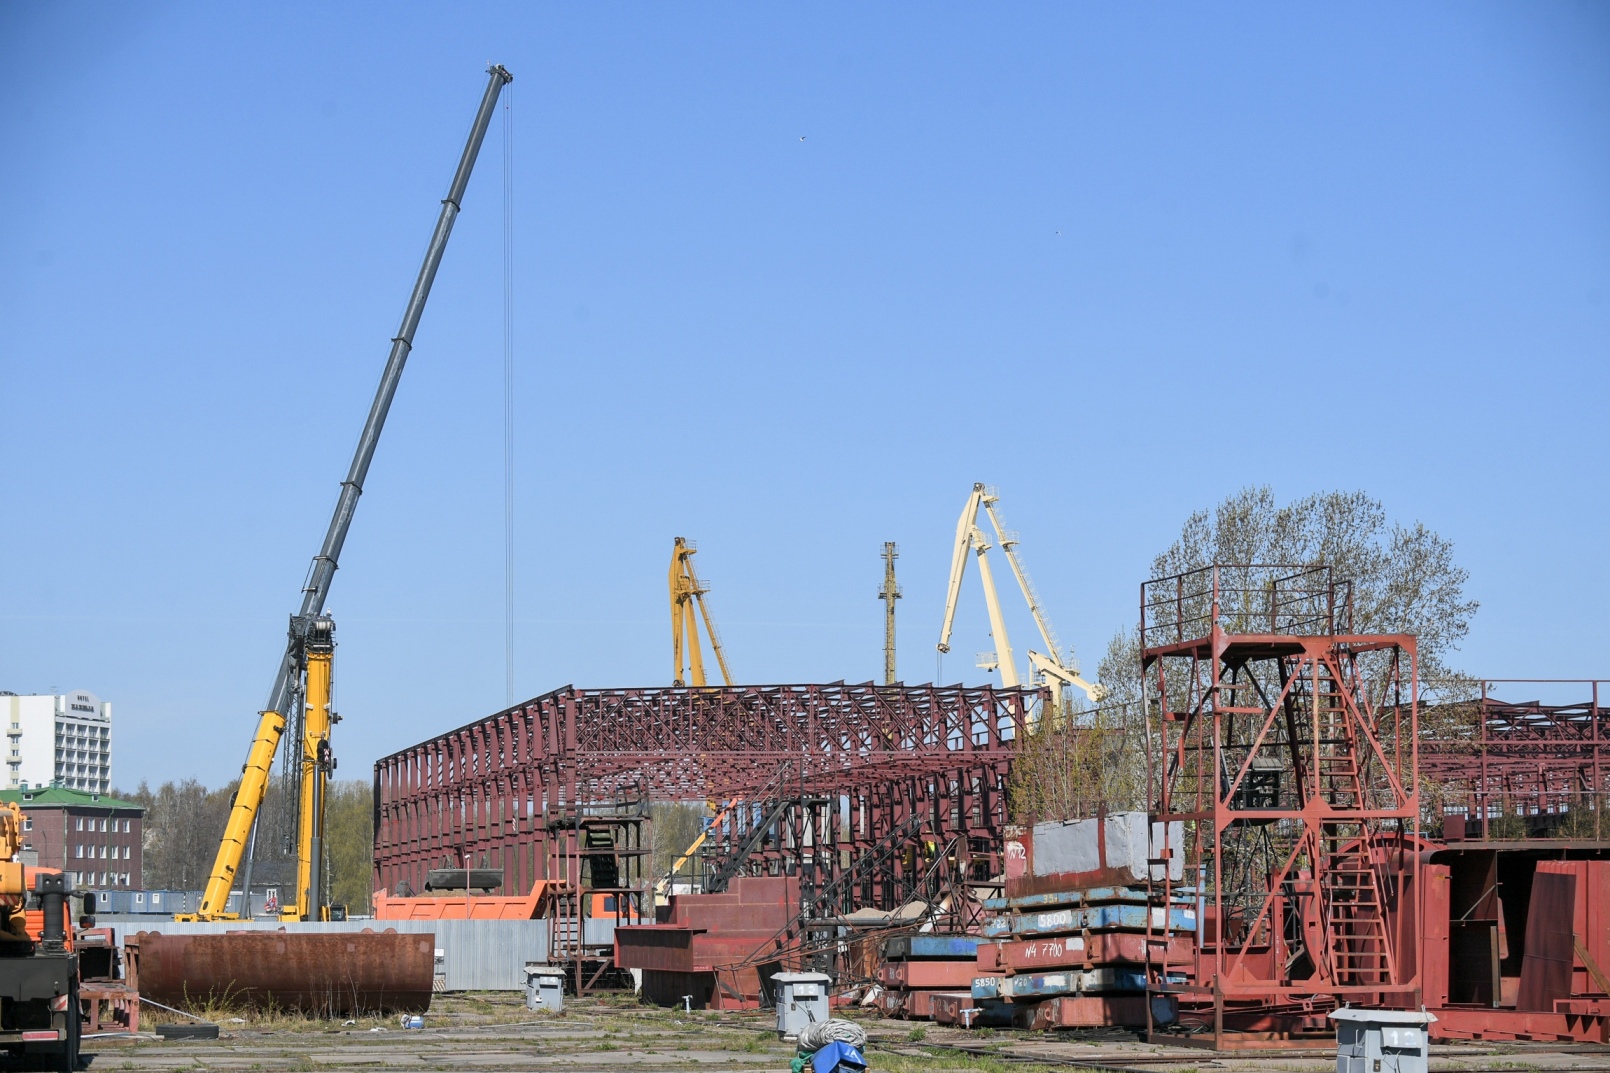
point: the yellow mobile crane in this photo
(685, 592)
(301, 688)
(970, 538)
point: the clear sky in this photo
(790, 278)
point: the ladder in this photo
(1354, 911)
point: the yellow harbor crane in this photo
(1051, 666)
(685, 592)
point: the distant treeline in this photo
(184, 821)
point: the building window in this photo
(78, 850)
(103, 825)
(80, 823)
(27, 823)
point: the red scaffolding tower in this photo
(1283, 768)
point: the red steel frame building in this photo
(1527, 759)
(1284, 772)
(495, 792)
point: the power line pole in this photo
(889, 594)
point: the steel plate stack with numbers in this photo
(1076, 958)
(918, 970)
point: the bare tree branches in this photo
(1404, 580)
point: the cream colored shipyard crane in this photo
(1051, 667)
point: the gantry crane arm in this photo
(958, 563)
(1052, 669)
(316, 588)
(1004, 656)
(969, 536)
(709, 623)
(1053, 666)
(1008, 542)
(686, 591)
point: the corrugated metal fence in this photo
(479, 955)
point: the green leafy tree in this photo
(349, 840)
(676, 825)
(1404, 579)
(184, 822)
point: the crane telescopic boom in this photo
(288, 680)
(322, 570)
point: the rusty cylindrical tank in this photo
(325, 974)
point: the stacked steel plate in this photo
(1077, 958)
(1070, 940)
(918, 970)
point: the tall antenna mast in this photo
(889, 594)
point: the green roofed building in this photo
(94, 838)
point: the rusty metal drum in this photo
(325, 974)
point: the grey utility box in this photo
(1382, 1041)
(544, 987)
(801, 1001)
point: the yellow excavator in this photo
(301, 695)
(685, 592)
(1049, 667)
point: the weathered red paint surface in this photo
(1076, 951)
(1086, 1011)
(328, 973)
(929, 973)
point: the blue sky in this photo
(790, 278)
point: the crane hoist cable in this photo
(686, 591)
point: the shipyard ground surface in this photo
(616, 1035)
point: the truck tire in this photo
(67, 1058)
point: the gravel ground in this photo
(614, 1035)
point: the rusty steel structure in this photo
(1283, 770)
(833, 775)
(1524, 769)
(330, 974)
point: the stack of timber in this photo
(1070, 941)
(919, 969)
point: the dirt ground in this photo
(615, 1035)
